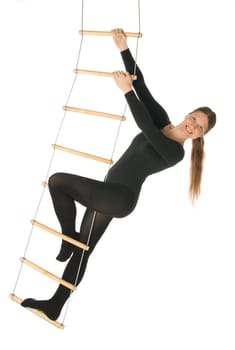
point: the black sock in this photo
(51, 307)
(66, 249)
(50, 310)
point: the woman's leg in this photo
(114, 201)
(76, 266)
(65, 189)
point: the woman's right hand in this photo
(123, 81)
(119, 38)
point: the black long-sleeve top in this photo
(150, 151)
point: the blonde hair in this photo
(198, 155)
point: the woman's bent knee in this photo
(55, 180)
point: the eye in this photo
(193, 118)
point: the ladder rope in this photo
(82, 32)
(51, 159)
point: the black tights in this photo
(104, 199)
(103, 202)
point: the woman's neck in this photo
(174, 133)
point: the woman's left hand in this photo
(123, 81)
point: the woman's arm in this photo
(156, 111)
(169, 150)
(120, 40)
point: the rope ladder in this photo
(74, 109)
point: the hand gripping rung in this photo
(99, 114)
(60, 235)
(37, 312)
(107, 33)
(48, 274)
(82, 154)
(99, 73)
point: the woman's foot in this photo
(46, 306)
(66, 249)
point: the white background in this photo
(162, 278)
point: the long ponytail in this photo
(197, 156)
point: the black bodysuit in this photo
(150, 152)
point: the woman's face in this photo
(195, 124)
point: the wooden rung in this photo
(48, 274)
(83, 154)
(95, 72)
(37, 312)
(99, 114)
(60, 235)
(107, 33)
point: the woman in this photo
(158, 146)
